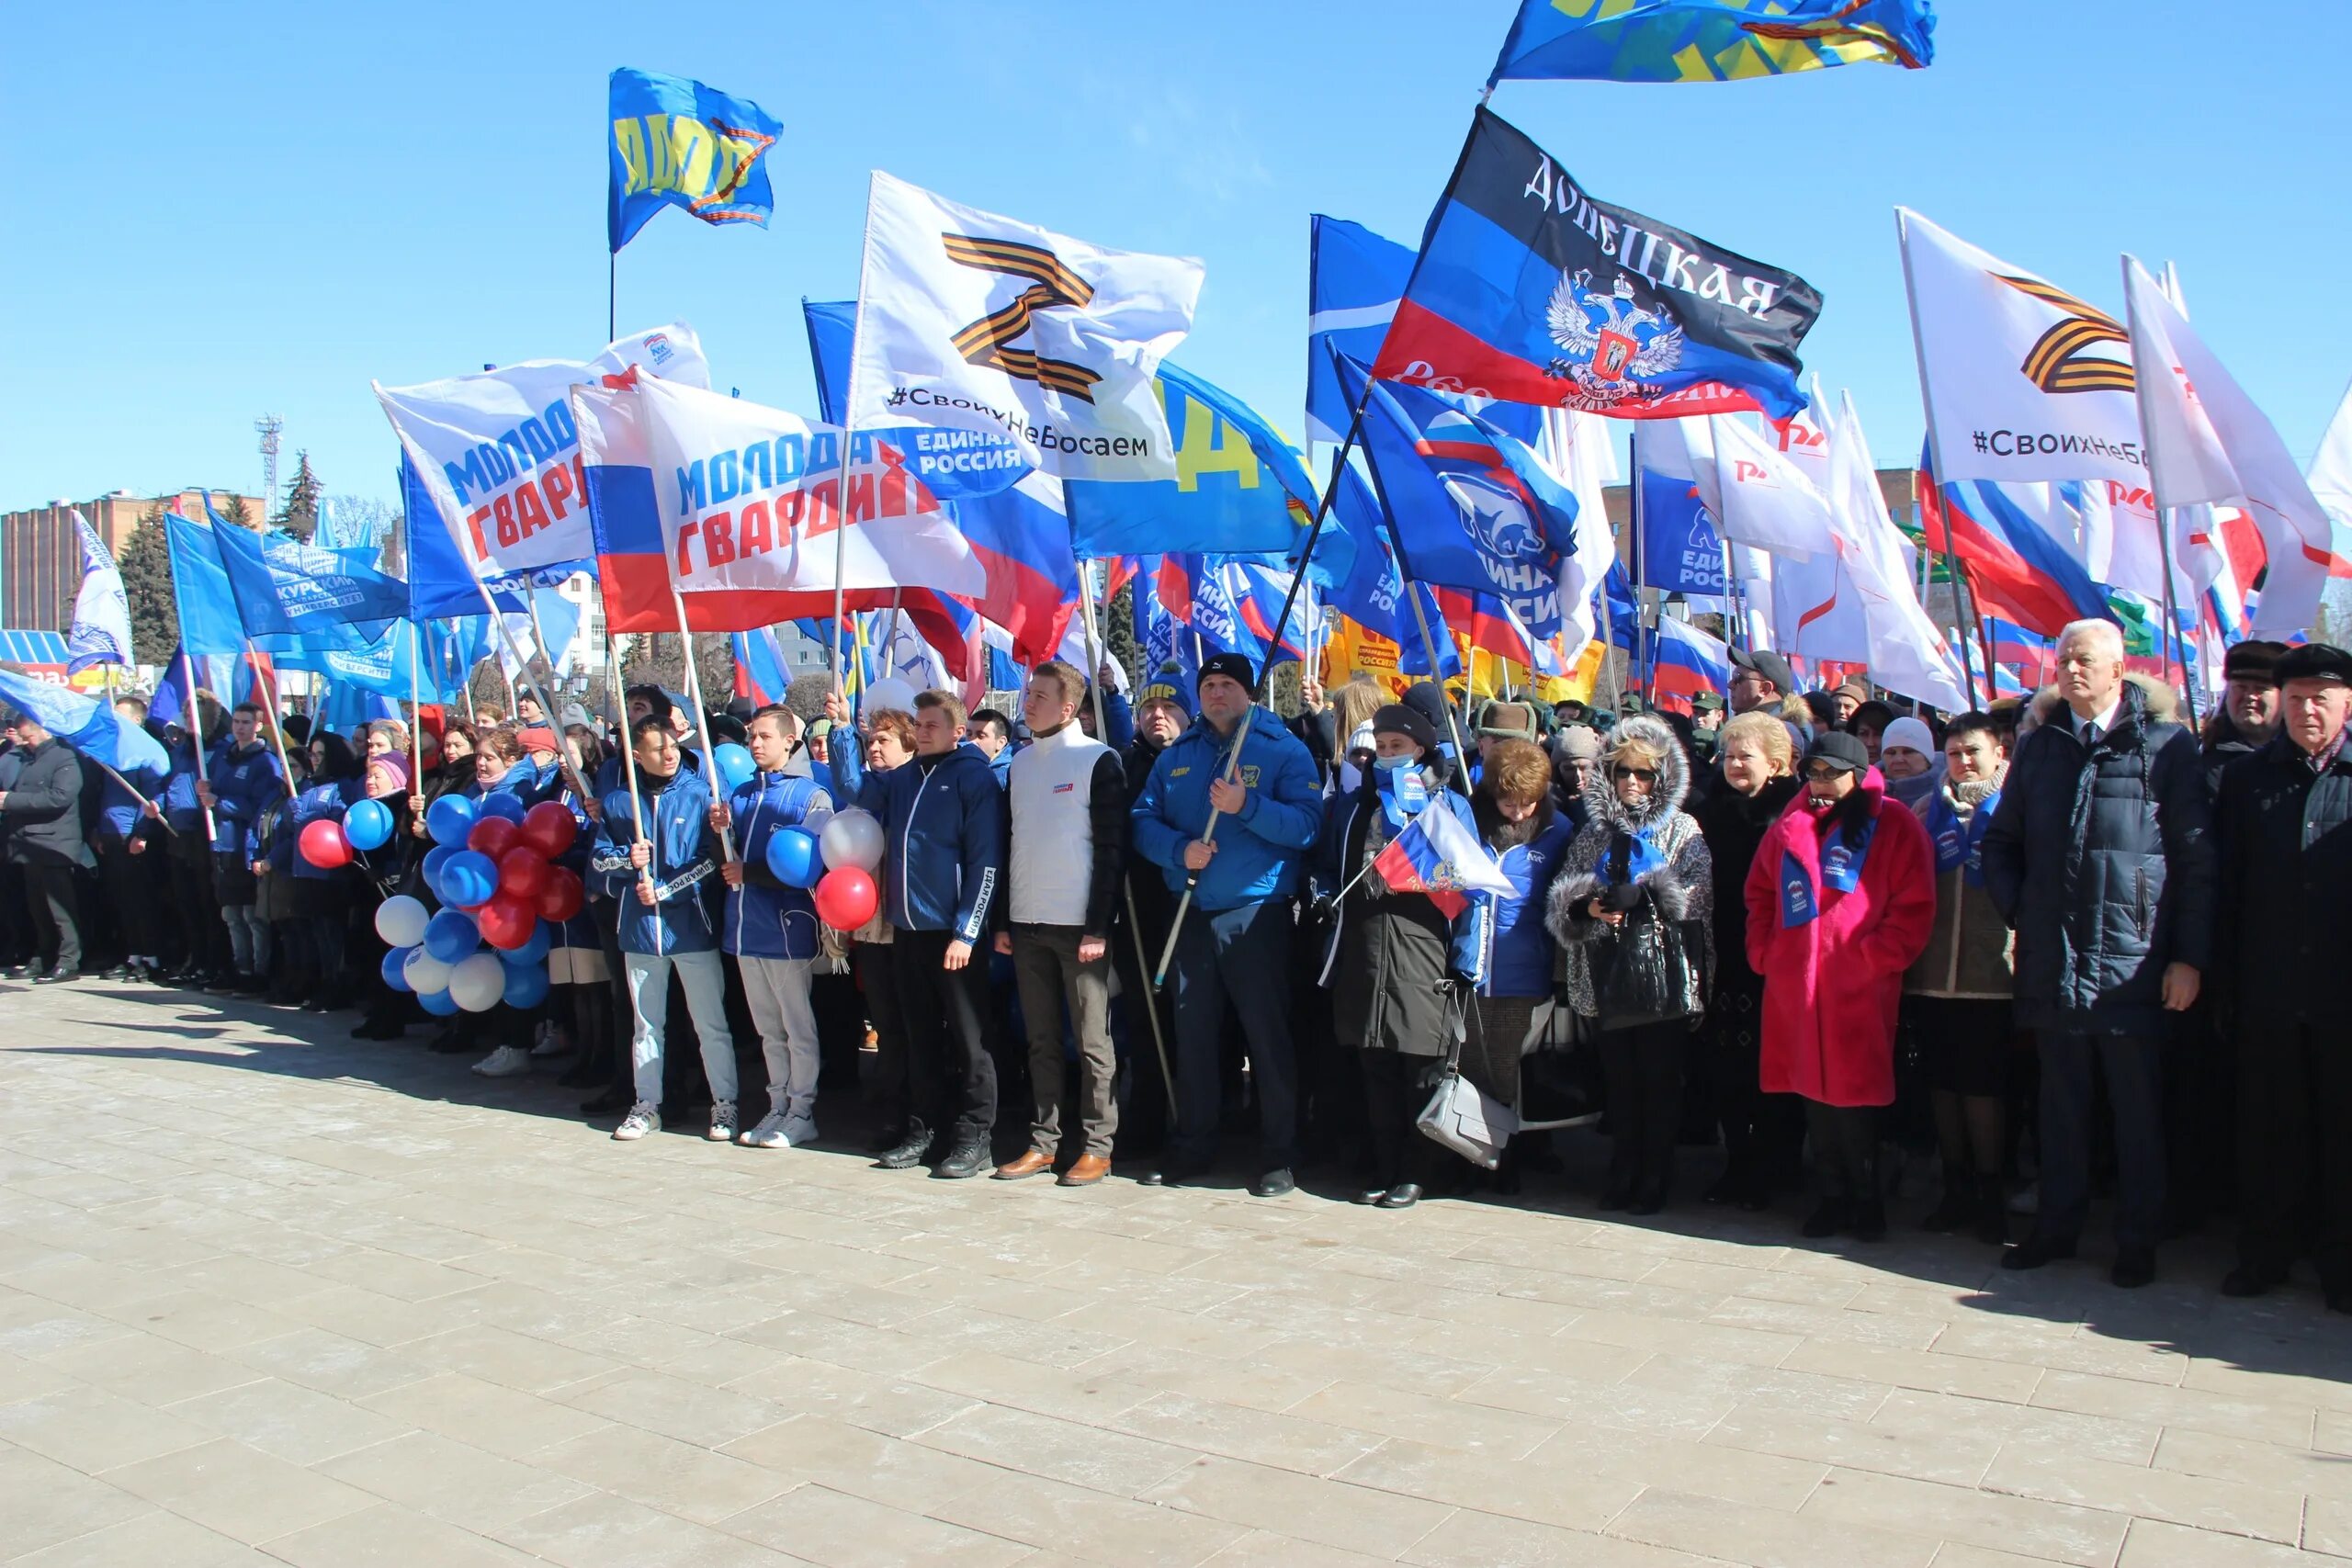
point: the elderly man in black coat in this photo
(2284, 821)
(44, 813)
(2101, 857)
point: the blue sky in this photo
(218, 210)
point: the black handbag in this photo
(1647, 970)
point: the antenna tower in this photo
(268, 426)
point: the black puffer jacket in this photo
(2102, 861)
(1735, 826)
(44, 808)
(2286, 895)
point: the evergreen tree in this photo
(233, 509)
(145, 562)
(299, 513)
(1118, 631)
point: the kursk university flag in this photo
(1530, 290)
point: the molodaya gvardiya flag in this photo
(678, 143)
(1529, 290)
(979, 322)
(1709, 40)
(2023, 381)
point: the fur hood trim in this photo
(1600, 803)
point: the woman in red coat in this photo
(1841, 898)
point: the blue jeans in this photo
(1240, 954)
(648, 1002)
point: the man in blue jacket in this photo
(133, 885)
(942, 823)
(1235, 941)
(656, 876)
(245, 780)
(772, 927)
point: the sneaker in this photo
(551, 1041)
(722, 1122)
(644, 1117)
(506, 1062)
(800, 1131)
(768, 1135)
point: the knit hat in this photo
(2252, 661)
(1396, 718)
(575, 717)
(1428, 699)
(1909, 731)
(1579, 743)
(1845, 751)
(1508, 721)
(1232, 666)
(395, 765)
(1164, 687)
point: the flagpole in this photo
(415, 714)
(195, 729)
(2171, 628)
(629, 756)
(276, 736)
(1429, 647)
(1103, 733)
(702, 716)
(611, 289)
(2164, 514)
(1645, 633)
(1935, 451)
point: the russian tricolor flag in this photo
(1689, 662)
(2014, 565)
(1437, 855)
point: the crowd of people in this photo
(2061, 943)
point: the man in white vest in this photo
(1068, 796)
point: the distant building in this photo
(40, 560)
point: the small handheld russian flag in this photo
(1437, 855)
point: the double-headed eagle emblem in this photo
(1611, 347)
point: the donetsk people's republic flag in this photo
(1530, 290)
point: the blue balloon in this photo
(368, 824)
(437, 1003)
(450, 819)
(526, 984)
(469, 880)
(499, 803)
(793, 857)
(435, 858)
(735, 765)
(533, 951)
(391, 968)
(451, 935)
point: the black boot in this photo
(966, 1158)
(909, 1151)
(1828, 1218)
(1992, 1210)
(1958, 1206)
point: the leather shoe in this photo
(1274, 1183)
(2132, 1268)
(2246, 1280)
(1370, 1196)
(1173, 1175)
(1085, 1171)
(1403, 1195)
(1031, 1163)
(966, 1158)
(907, 1155)
(2034, 1251)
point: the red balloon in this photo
(549, 827)
(323, 845)
(493, 836)
(846, 898)
(507, 921)
(562, 895)
(523, 870)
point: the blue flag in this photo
(1239, 488)
(440, 584)
(89, 725)
(1709, 40)
(1680, 551)
(286, 588)
(678, 143)
(200, 592)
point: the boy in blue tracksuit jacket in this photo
(771, 929)
(942, 821)
(1235, 942)
(657, 876)
(245, 777)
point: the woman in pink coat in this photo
(1841, 898)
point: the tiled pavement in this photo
(265, 1301)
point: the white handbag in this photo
(1464, 1117)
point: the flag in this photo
(1679, 550)
(2330, 476)
(286, 588)
(2015, 563)
(1907, 654)
(100, 632)
(1481, 623)
(761, 672)
(1437, 855)
(1354, 278)
(1709, 40)
(88, 725)
(1584, 455)
(678, 143)
(2208, 441)
(2023, 381)
(1239, 487)
(1530, 290)
(1688, 663)
(2013, 644)
(978, 321)
(1765, 501)
(1230, 604)
(497, 457)
(205, 605)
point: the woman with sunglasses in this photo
(1639, 858)
(1841, 901)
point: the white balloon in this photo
(477, 984)
(401, 921)
(424, 973)
(889, 692)
(852, 838)
(813, 821)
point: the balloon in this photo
(450, 819)
(368, 824)
(523, 870)
(435, 858)
(479, 983)
(533, 951)
(323, 845)
(400, 920)
(562, 897)
(526, 984)
(437, 1003)
(735, 765)
(846, 898)
(451, 935)
(498, 803)
(469, 879)
(507, 920)
(889, 692)
(813, 821)
(424, 973)
(493, 836)
(852, 839)
(793, 857)
(394, 967)
(549, 827)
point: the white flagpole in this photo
(195, 727)
(1936, 455)
(276, 736)
(702, 716)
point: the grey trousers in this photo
(1047, 970)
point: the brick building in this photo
(41, 562)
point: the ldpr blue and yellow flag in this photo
(1709, 40)
(678, 143)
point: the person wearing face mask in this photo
(1639, 858)
(1840, 900)
(1398, 963)
(1910, 759)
